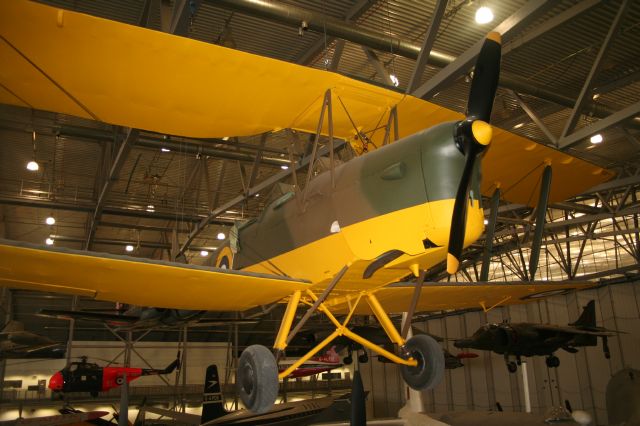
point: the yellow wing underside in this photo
(76, 64)
(171, 285)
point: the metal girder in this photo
(595, 69)
(616, 84)
(251, 192)
(378, 65)
(600, 125)
(490, 232)
(114, 172)
(183, 11)
(337, 55)
(508, 28)
(550, 24)
(427, 45)
(323, 41)
(532, 115)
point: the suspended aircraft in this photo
(352, 241)
(528, 339)
(16, 342)
(141, 318)
(83, 376)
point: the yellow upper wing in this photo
(90, 67)
(137, 281)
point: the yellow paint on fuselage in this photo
(321, 260)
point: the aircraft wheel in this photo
(512, 367)
(553, 361)
(364, 358)
(257, 378)
(430, 369)
(347, 360)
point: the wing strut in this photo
(414, 303)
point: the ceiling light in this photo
(484, 15)
(517, 126)
(221, 236)
(128, 248)
(257, 195)
(165, 150)
(50, 220)
(151, 206)
(394, 80)
(486, 221)
(226, 138)
(204, 253)
(49, 241)
(597, 138)
(595, 96)
(284, 167)
(33, 166)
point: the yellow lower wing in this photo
(447, 296)
(137, 281)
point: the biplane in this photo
(352, 241)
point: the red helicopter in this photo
(89, 377)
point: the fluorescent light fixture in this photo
(165, 150)
(49, 241)
(517, 126)
(50, 220)
(204, 253)
(597, 138)
(128, 248)
(394, 80)
(486, 221)
(221, 236)
(284, 167)
(257, 195)
(33, 166)
(484, 15)
(151, 206)
(226, 138)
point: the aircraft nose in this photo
(56, 381)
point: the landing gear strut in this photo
(511, 365)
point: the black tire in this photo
(364, 358)
(430, 369)
(347, 360)
(512, 367)
(553, 361)
(257, 379)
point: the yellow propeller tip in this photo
(452, 264)
(482, 132)
(495, 36)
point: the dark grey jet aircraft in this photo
(17, 343)
(527, 339)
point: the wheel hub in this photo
(247, 379)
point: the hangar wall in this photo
(581, 378)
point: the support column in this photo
(541, 211)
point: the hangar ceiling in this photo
(559, 53)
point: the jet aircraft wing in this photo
(574, 330)
(138, 281)
(67, 66)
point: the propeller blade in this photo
(473, 135)
(485, 79)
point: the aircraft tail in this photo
(212, 401)
(588, 317)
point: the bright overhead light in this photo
(33, 166)
(204, 253)
(226, 138)
(50, 220)
(597, 138)
(165, 150)
(128, 248)
(394, 80)
(284, 167)
(221, 236)
(517, 126)
(257, 195)
(484, 15)
(151, 206)
(486, 221)
(49, 241)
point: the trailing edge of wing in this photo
(440, 296)
(138, 281)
